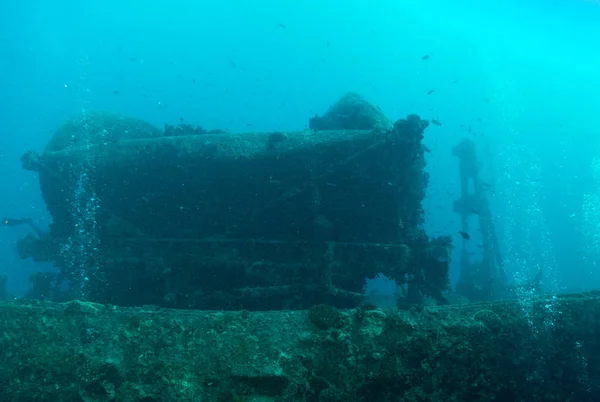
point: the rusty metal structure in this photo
(189, 218)
(480, 279)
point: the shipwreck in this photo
(154, 229)
(189, 218)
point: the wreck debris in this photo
(191, 218)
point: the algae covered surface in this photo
(493, 351)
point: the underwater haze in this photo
(519, 78)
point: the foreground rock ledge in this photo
(547, 349)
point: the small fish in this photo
(11, 222)
(193, 80)
(426, 149)
(181, 119)
(232, 64)
(430, 91)
(282, 26)
(373, 32)
(436, 122)
(455, 81)
(464, 235)
(15, 221)
(476, 212)
(470, 129)
(115, 92)
(425, 57)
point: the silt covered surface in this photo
(489, 351)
